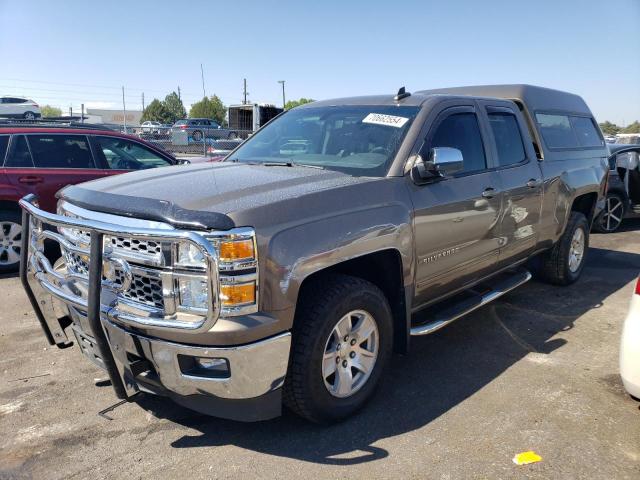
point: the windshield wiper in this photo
(290, 164)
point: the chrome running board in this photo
(468, 305)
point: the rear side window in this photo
(61, 151)
(586, 132)
(461, 131)
(4, 143)
(19, 155)
(508, 139)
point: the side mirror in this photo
(440, 162)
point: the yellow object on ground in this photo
(526, 458)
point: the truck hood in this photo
(203, 196)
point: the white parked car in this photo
(630, 347)
(151, 127)
(18, 107)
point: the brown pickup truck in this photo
(290, 272)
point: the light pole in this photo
(283, 99)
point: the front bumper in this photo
(249, 389)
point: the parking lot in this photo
(537, 370)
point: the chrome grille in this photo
(144, 289)
(136, 245)
(76, 263)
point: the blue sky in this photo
(71, 52)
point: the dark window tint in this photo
(121, 154)
(508, 138)
(461, 131)
(61, 151)
(556, 130)
(19, 155)
(14, 100)
(586, 132)
(4, 143)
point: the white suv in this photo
(16, 107)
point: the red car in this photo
(44, 159)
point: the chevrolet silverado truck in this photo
(291, 272)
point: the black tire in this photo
(197, 136)
(610, 218)
(29, 116)
(9, 245)
(232, 136)
(321, 306)
(554, 266)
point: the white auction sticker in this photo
(389, 120)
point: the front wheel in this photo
(563, 264)
(197, 136)
(342, 340)
(232, 136)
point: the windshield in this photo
(359, 140)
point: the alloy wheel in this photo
(576, 251)
(350, 353)
(10, 241)
(611, 216)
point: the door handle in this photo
(30, 179)
(533, 183)
(489, 192)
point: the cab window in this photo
(122, 154)
(461, 131)
(506, 133)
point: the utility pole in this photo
(82, 113)
(283, 99)
(244, 102)
(179, 97)
(204, 93)
(143, 101)
(124, 112)
(70, 111)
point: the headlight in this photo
(190, 256)
(193, 293)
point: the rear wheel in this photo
(29, 116)
(563, 264)
(197, 136)
(611, 216)
(232, 136)
(342, 340)
(10, 241)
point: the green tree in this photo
(156, 111)
(609, 128)
(209, 107)
(294, 103)
(175, 107)
(632, 128)
(49, 111)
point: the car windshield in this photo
(359, 140)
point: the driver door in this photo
(457, 217)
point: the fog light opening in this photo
(205, 367)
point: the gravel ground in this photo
(537, 370)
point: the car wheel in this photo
(563, 263)
(197, 136)
(10, 241)
(29, 116)
(342, 340)
(232, 136)
(611, 216)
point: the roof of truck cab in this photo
(534, 98)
